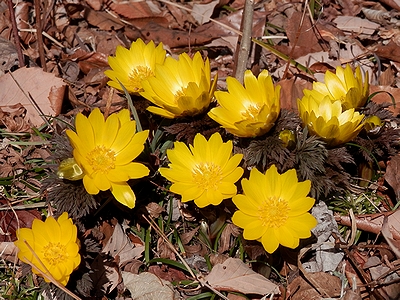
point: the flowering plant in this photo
(327, 119)
(249, 110)
(131, 66)
(273, 208)
(347, 86)
(205, 172)
(180, 87)
(50, 247)
(105, 149)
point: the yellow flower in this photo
(54, 243)
(274, 209)
(373, 125)
(288, 138)
(248, 111)
(180, 87)
(345, 86)
(133, 66)
(327, 120)
(205, 173)
(104, 150)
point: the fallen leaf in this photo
(40, 85)
(167, 273)
(356, 25)
(384, 96)
(11, 220)
(392, 174)
(202, 12)
(235, 276)
(102, 19)
(119, 244)
(291, 90)
(8, 251)
(299, 288)
(391, 229)
(392, 3)
(147, 286)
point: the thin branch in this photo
(243, 51)
(39, 35)
(15, 34)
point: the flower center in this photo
(101, 159)
(137, 75)
(207, 175)
(55, 253)
(252, 111)
(273, 212)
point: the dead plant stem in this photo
(243, 51)
(15, 34)
(39, 35)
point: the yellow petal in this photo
(123, 194)
(270, 241)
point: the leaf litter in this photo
(124, 257)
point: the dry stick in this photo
(254, 40)
(15, 34)
(199, 278)
(39, 35)
(242, 52)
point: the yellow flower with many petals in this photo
(180, 87)
(273, 209)
(327, 120)
(249, 110)
(133, 66)
(105, 149)
(50, 247)
(346, 85)
(205, 173)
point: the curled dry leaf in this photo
(119, 244)
(391, 231)
(235, 276)
(46, 90)
(154, 209)
(392, 174)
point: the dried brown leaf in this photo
(299, 288)
(235, 276)
(392, 174)
(120, 244)
(167, 273)
(10, 221)
(356, 25)
(102, 20)
(225, 241)
(154, 209)
(291, 90)
(391, 231)
(8, 251)
(40, 85)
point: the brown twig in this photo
(39, 35)
(365, 223)
(242, 52)
(15, 34)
